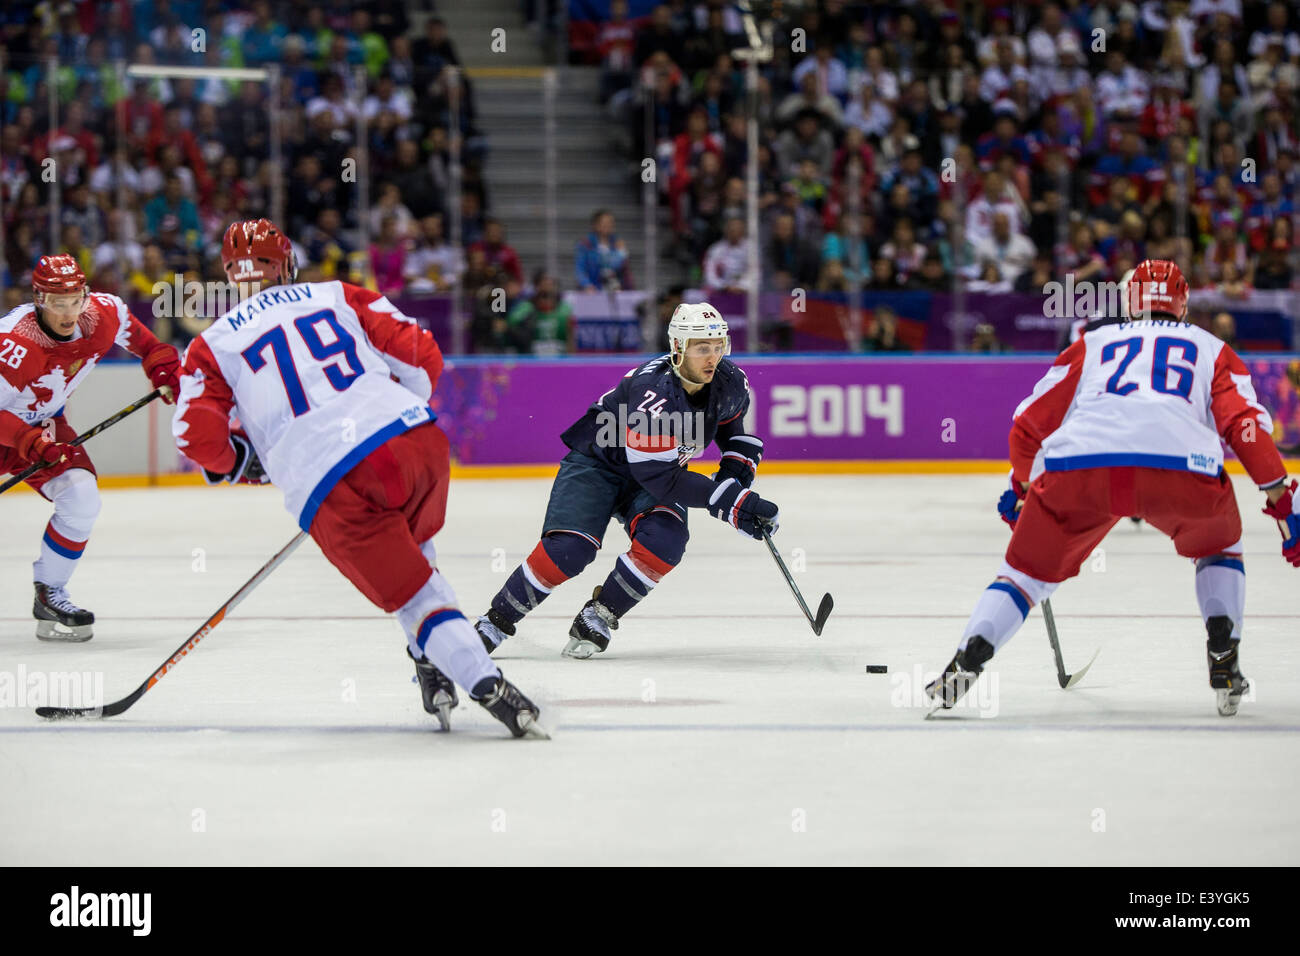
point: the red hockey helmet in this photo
(1157, 286)
(255, 250)
(58, 275)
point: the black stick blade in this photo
(823, 612)
(62, 713)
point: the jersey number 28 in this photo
(340, 375)
(1160, 366)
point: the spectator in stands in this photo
(825, 109)
(790, 260)
(1226, 248)
(390, 204)
(840, 245)
(1079, 255)
(1012, 252)
(660, 36)
(434, 265)
(726, 265)
(882, 333)
(997, 196)
(884, 277)
(172, 202)
(875, 72)
(152, 270)
(868, 113)
(616, 45)
(1274, 271)
(831, 77)
(1122, 90)
(809, 185)
(602, 257)
(931, 276)
(903, 249)
(710, 40)
(1233, 284)
(499, 253)
(1231, 106)
(387, 258)
(433, 52)
(328, 250)
(986, 342)
(1037, 276)
(1224, 327)
(544, 324)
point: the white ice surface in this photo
(293, 733)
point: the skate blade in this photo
(531, 728)
(53, 631)
(1227, 701)
(579, 649)
(442, 705)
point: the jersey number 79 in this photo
(340, 374)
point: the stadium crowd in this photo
(1057, 135)
(903, 145)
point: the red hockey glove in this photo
(163, 366)
(1287, 512)
(38, 447)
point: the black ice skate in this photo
(493, 629)
(504, 701)
(590, 631)
(962, 671)
(1225, 670)
(436, 688)
(57, 618)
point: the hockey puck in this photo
(877, 669)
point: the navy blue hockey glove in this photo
(743, 509)
(248, 469)
(740, 458)
(1011, 502)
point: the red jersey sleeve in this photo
(1043, 411)
(201, 426)
(1242, 421)
(410, 351)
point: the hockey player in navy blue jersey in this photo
(627, 460)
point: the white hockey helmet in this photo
(695, 320)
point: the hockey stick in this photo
(118, 706)
(109, 422)
(823, 609)
(1065, 680)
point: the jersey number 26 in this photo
(1160, 367)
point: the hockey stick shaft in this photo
(818, 622)
(109, 422)
(117, 707)
(1061, 676)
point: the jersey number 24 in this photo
(340, 374)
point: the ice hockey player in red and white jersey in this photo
(47, 348)
(331, 386)
(1129, 422)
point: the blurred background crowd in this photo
(925, 145)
